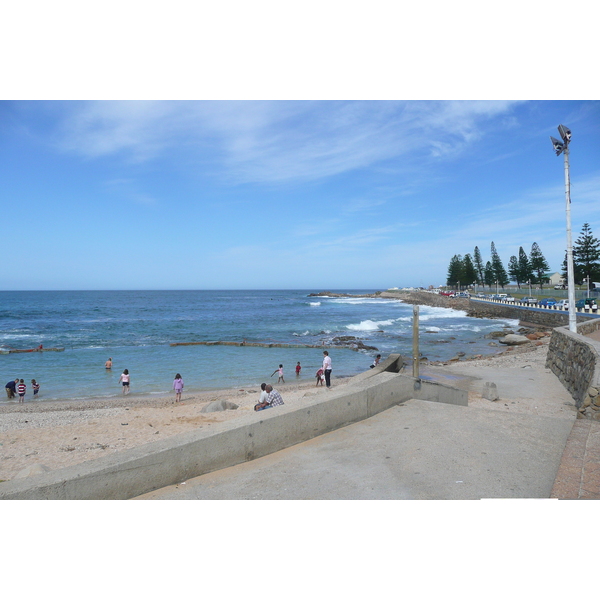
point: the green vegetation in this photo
(525, 269)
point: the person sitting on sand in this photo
(280, 376)
(178, 387)
(273, 399)
(263, 394)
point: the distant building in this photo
(554, 278)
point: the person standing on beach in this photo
(21, 389)
(178, 387)
(327, 368)
(280, 376)
(298, 369)
(11, 388)
(35, 386)
(320, 377)
(108, 364)
(124, 379)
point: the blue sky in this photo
(313, 145)
(284, 194)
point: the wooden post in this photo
(416, 341)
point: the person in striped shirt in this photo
(21, 389)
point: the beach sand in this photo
(63, 433)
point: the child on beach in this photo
(320, 377)
(124, 379)
(280, 376)
(178, 387)
(21, 389)
(298, 369)
(35, 386)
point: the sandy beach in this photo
(64, 433)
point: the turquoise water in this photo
(135, 329)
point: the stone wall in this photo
(491, 309)
(575, 360)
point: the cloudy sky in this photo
(204, 193)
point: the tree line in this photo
(524, 268)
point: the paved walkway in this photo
(528, 444)
(419, 450)
(579, 472)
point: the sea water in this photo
(136, 328)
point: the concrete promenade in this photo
(419, 450)
(528, 444)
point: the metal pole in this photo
(416, 341)
(570, 271)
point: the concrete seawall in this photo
(134, 472)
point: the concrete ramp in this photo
(418, 450)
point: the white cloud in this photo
(279, 141)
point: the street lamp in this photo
(496, 287)
(563, 147)
(588, 286)
(529, 282)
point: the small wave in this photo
(377, 301)
(367, 325)
(301, 334)
(314, 304)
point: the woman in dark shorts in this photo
(124, 379)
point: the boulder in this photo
(219, 406)
(514, 340)
(490, 392)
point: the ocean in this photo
(136, 328)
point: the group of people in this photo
(18, 386)
(270, 397)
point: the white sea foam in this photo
(377, 301)
(314, 303)
(369, 325)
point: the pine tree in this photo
(478, 263)
(488, 274)
(513, 270)
(499, 271)
(525, 270)
(538, 263)
(469, 271)
(586, 255)
(455, 271)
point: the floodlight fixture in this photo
(565, 133)
(557, 145)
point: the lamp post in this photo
(563, 147)
(496, 287)
(529, 283)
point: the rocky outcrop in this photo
(514, 340)
(219, 406)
